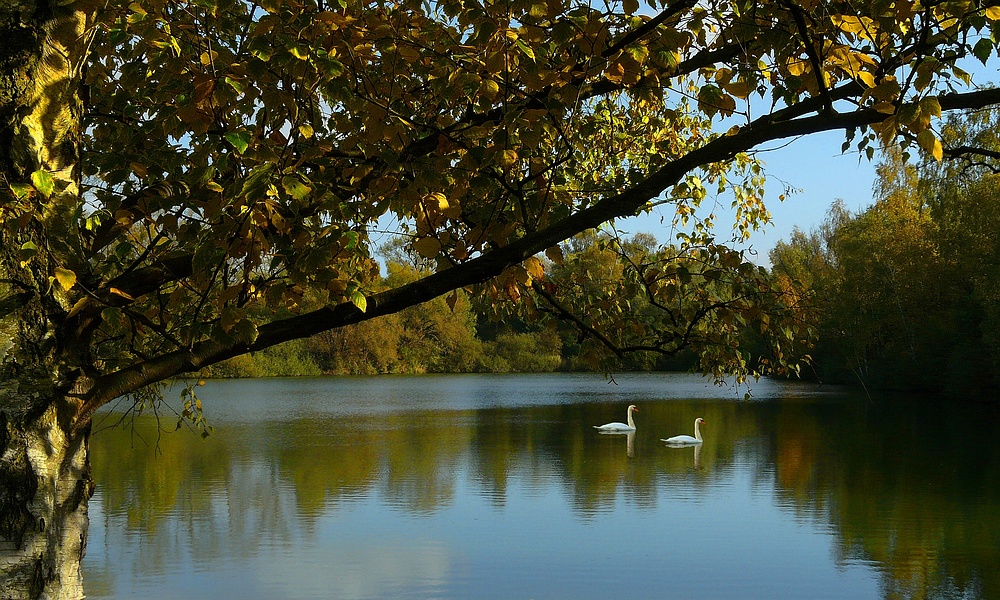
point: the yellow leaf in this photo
(938, 150)
(993, 13)
(66, 278)
(867, 78)
(740, 89)
(886, 108)
(862, 26)
(508, 158)
(438, 200)
(928, 141)
(930, 106)
(118, 292)
(796, 67)
(555, 254)
(534, 267)
(427, 247)
(489, 88)
(518, 274)
(614, 73)
(80, 304)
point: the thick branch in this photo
(492, 264)
(966, 151)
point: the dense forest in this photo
(901, 295)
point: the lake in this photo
(498, 486)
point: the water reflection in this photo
(629, 440)
(320, 501)
(693, 449)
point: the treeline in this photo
(460, 333)
(906, 294)
(902, 295)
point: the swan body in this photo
(630, 426)
(686, 440)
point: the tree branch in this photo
(800, 24)
(648, 27)
(493, 263)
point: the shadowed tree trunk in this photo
(44, 472)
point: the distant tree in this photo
(693, 300)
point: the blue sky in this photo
(813, 165)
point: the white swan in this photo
(683, 440)
(620, 426)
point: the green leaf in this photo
(525, 49)
(256, 183)
(28, 251)
(358, 299)
(295, 187)
(21, 190)
(240, 140)
(235, 84)
(245, 331)
(43, 182)
(983, 49)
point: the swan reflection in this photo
(697, 452)
(629, 440)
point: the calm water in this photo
(498, 487)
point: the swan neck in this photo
(697, 430)
(630, 422)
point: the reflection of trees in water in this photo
(905, 486)
(922, 512)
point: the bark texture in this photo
(45, 478)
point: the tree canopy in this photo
(227, 155)
(242, 152)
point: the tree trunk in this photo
(45, 484)
(45, 479)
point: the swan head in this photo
(700, 421)
(633, 408)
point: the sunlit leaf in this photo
(240, 140)
(43, 182)
(121, 293)
(65, 277)
(359, 300)
(427, 247)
